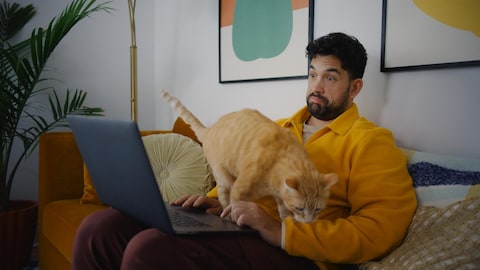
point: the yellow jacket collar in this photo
(340, 125)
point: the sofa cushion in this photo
(61, 220)
(440, 186)
(179, 165)
(89, 193)
(447, 161)
(441, 180)
(438, 238)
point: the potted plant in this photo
(22, 118)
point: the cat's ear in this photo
(329, 180)
(292, 183)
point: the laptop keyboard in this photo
(184, 221)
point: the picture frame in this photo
(261, 41)
(416, 35)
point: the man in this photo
(366, 217)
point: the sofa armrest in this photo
(60, 172)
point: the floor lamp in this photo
(133, 61)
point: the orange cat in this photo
(252, 157)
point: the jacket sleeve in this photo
(381, 202)
(213, 193)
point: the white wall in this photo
(427, 110)
(432, 110)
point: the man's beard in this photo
(328, 111)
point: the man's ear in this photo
(356, 87)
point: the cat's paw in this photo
(284, 213)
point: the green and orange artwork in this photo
(260, 29)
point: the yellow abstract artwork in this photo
(426, 34)
(461, 14)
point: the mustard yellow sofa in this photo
(443, 233)
(61, 186)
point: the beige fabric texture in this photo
(438, 238)
(179, 165)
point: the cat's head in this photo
(306, 200)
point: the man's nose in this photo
(316, 86)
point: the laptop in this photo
(120, 170)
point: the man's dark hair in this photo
(347, 49)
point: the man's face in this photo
(330, 91)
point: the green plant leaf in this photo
(22, 65)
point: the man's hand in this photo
(252, 215)
(210, 205)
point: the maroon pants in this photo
(109, 239)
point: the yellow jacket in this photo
(370, 207)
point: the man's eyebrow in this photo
(335, 70)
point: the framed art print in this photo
(264, 40)
(423, 34)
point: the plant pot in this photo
(17, 232)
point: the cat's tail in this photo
(185, 114)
